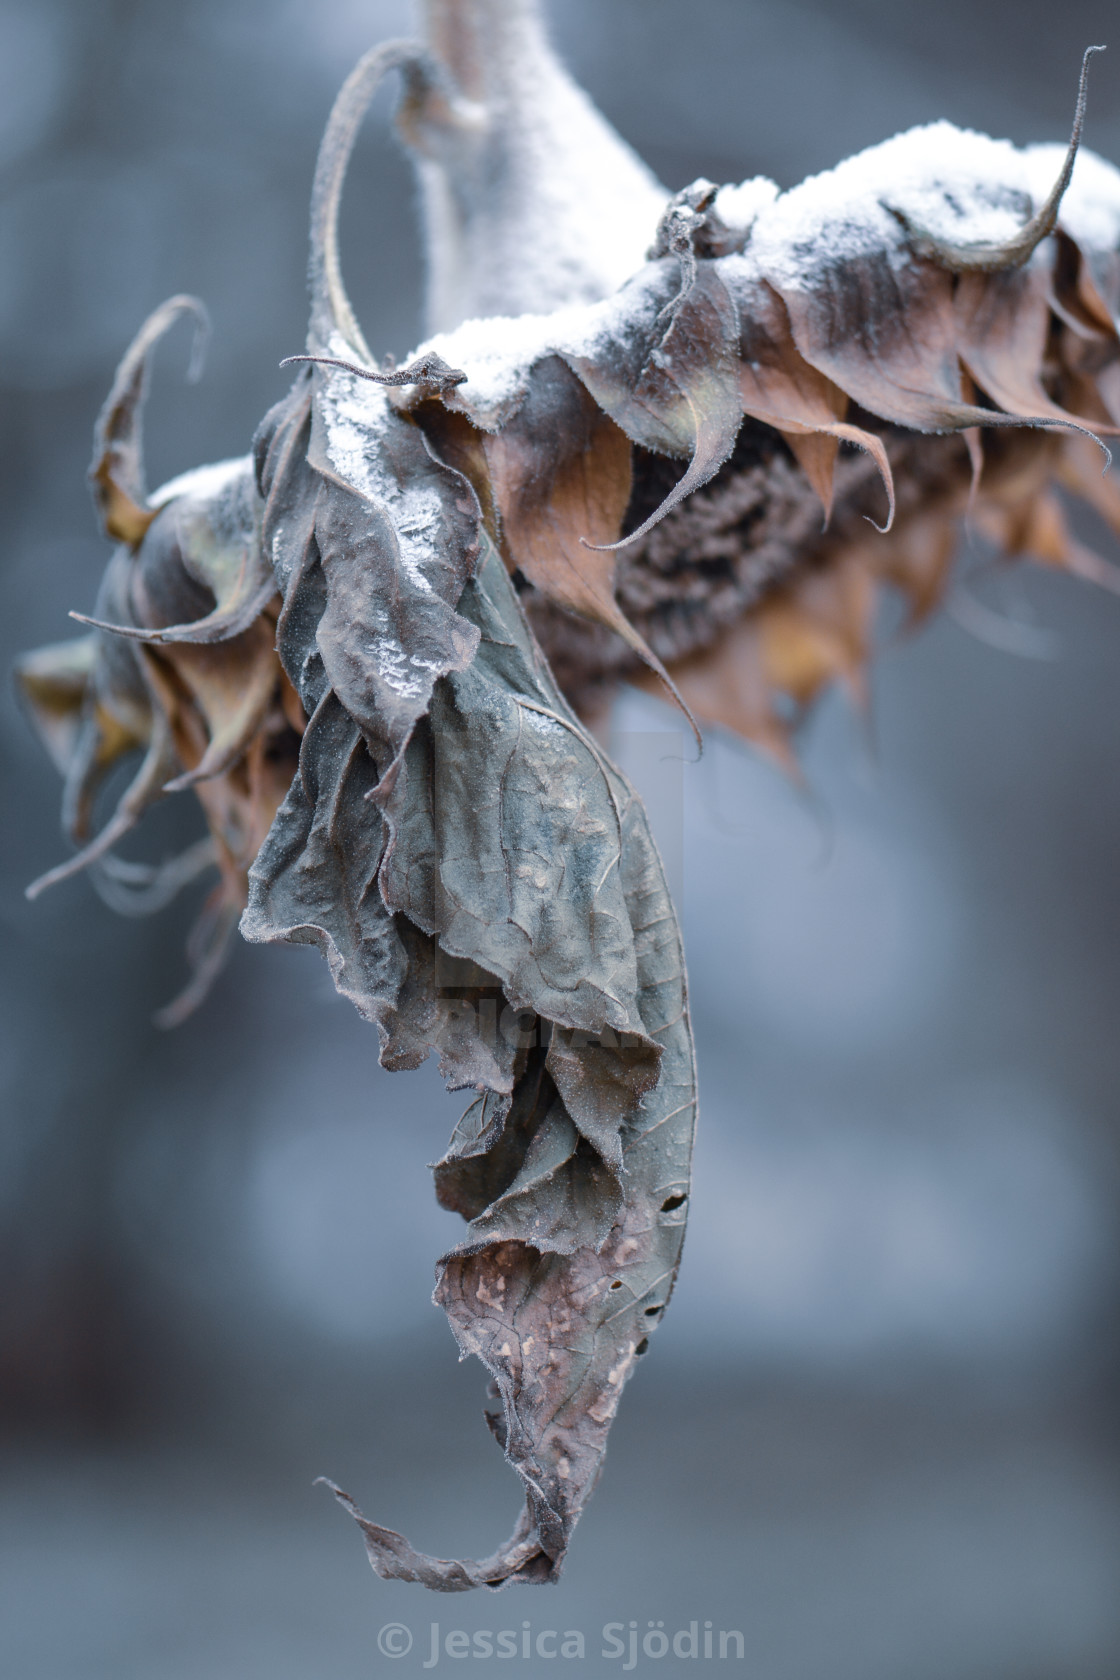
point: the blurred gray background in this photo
(878, 1435)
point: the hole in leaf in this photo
(642, 1345)
(676, 1200)
(652, 1312)
(617, 1284)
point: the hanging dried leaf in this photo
(509, 843)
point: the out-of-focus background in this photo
(877, 1435)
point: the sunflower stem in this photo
(531, 201)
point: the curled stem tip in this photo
(330, 307)
(980, 258)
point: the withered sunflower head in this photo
(686, 439)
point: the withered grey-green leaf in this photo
(489, 891)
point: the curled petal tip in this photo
(133, 632)
(200, 343)
(1015, 252)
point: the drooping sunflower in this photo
(679, 439)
